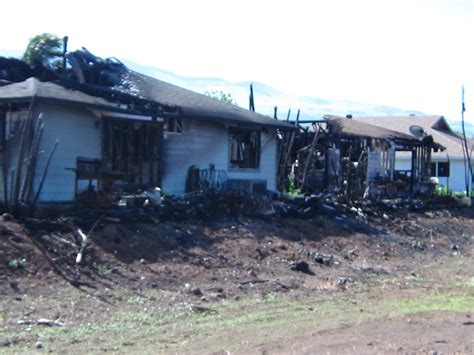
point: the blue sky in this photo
(411, 54)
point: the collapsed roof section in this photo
(108, 83)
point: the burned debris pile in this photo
(354, 160)
(106, 78)
(211, 204)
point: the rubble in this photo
(419, 245)
(42, 321)
(7, 217)
(323, 259)
(302, 266)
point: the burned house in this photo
(447, 165)
(100, 129)
(355, 159)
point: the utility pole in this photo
(251, 99)
(468, 169)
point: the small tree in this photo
(45, 49)
(221, 96)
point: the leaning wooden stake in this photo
(21, 152)
(84, 238)
(45, 172)
(31, 163)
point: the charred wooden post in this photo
(413, 171)
(287, 155)
(32, 160)
(251, 99)
(5, 156)
(25, 134)
(65, 40)
(309, 157)
(159, 156)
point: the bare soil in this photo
(228, 266)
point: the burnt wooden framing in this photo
(25, 132)
(132, 150)
(305, 157)
(130, 160)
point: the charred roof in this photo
(95, 81)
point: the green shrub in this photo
(292, 190)
(442, 190)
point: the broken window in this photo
(87, 174)
(131, 151)
(244, 147)
(173, 125)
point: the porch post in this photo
(413, 169)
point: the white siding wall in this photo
(457, 181)
(456, 178)
(201, 144)
(78, 137)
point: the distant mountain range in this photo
(266, 98)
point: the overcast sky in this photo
(412, 54)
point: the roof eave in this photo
(225, 120)
(76, 104)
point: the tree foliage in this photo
(45, 49)
(221, 96)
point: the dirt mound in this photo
(225, 258)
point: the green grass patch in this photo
(470, 282)
(436, 302)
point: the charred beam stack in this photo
(20, 148)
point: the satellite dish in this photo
(417, 131)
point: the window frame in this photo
(440, 172)
(439, 168)
(255, 166)
(173, 125)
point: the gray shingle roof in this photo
(198, 106)
(349, 127)
(191, 104)
(50, 92)
(434, 125)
